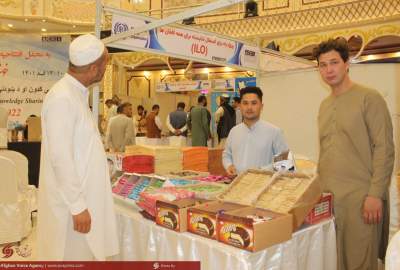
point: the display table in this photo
(313, 247)
(32, 152)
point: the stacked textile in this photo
(166, 158)
(208, 191)
(195, 158)
(125, 185)
(139, 187)
(215, 161)
(215, 178)
(138, 164)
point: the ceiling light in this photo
(44, 29)
(147, 74)
(44, 20)
(26, 19)
(74, 26)
(10, 25)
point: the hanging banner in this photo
(182, 86)
(29, 66)
(188, 44)
(224, 84)
(243, 82)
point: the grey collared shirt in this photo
(253, 147)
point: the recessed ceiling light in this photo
(44, 29)
(43, 20)
(10, 25)
(74, 26)
(26, 19)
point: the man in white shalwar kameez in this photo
(76, 218)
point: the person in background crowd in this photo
(356, 159)
(76, 218)
(140, 121)
(111, 109)
(120, 130)
(153, 123)
(199, 122)
(26, 126)
(253, 143)
(238, 113)
(225, 118)
(176, 121)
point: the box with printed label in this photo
(172, 215)
(202, 219)
(253, 229)
(322, 210)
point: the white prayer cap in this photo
(225, 95)
(85, 49)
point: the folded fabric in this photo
(215, 165)
(195, 158)
(139, 187)
(166, 158)
(138, 164)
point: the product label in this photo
(202, 224)
(167, 218)
(235, 234)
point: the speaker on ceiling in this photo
(188, 21)
(251, 9)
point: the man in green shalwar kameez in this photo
(356, 159)
(199, 122)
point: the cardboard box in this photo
(173, 215)
(202, 219)
(246, 193)
(34, 129)
(304, 202)
(322, 210)
(238, 229)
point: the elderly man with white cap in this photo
(225, 118)
(76, 218)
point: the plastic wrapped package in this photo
(208, 191)
(139, 187)
(148, 199)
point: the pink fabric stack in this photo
(138, 164)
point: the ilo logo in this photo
(120, 27)
(156, 265)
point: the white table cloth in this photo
(313, 247)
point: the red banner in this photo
(154, 265)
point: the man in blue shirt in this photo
(253, 143)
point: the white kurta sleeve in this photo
(169, 126)
(158, 122)
(218, 114)
(279, 143)
(60, 117)
(227, 158)
(108, 136)
(129, 133)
